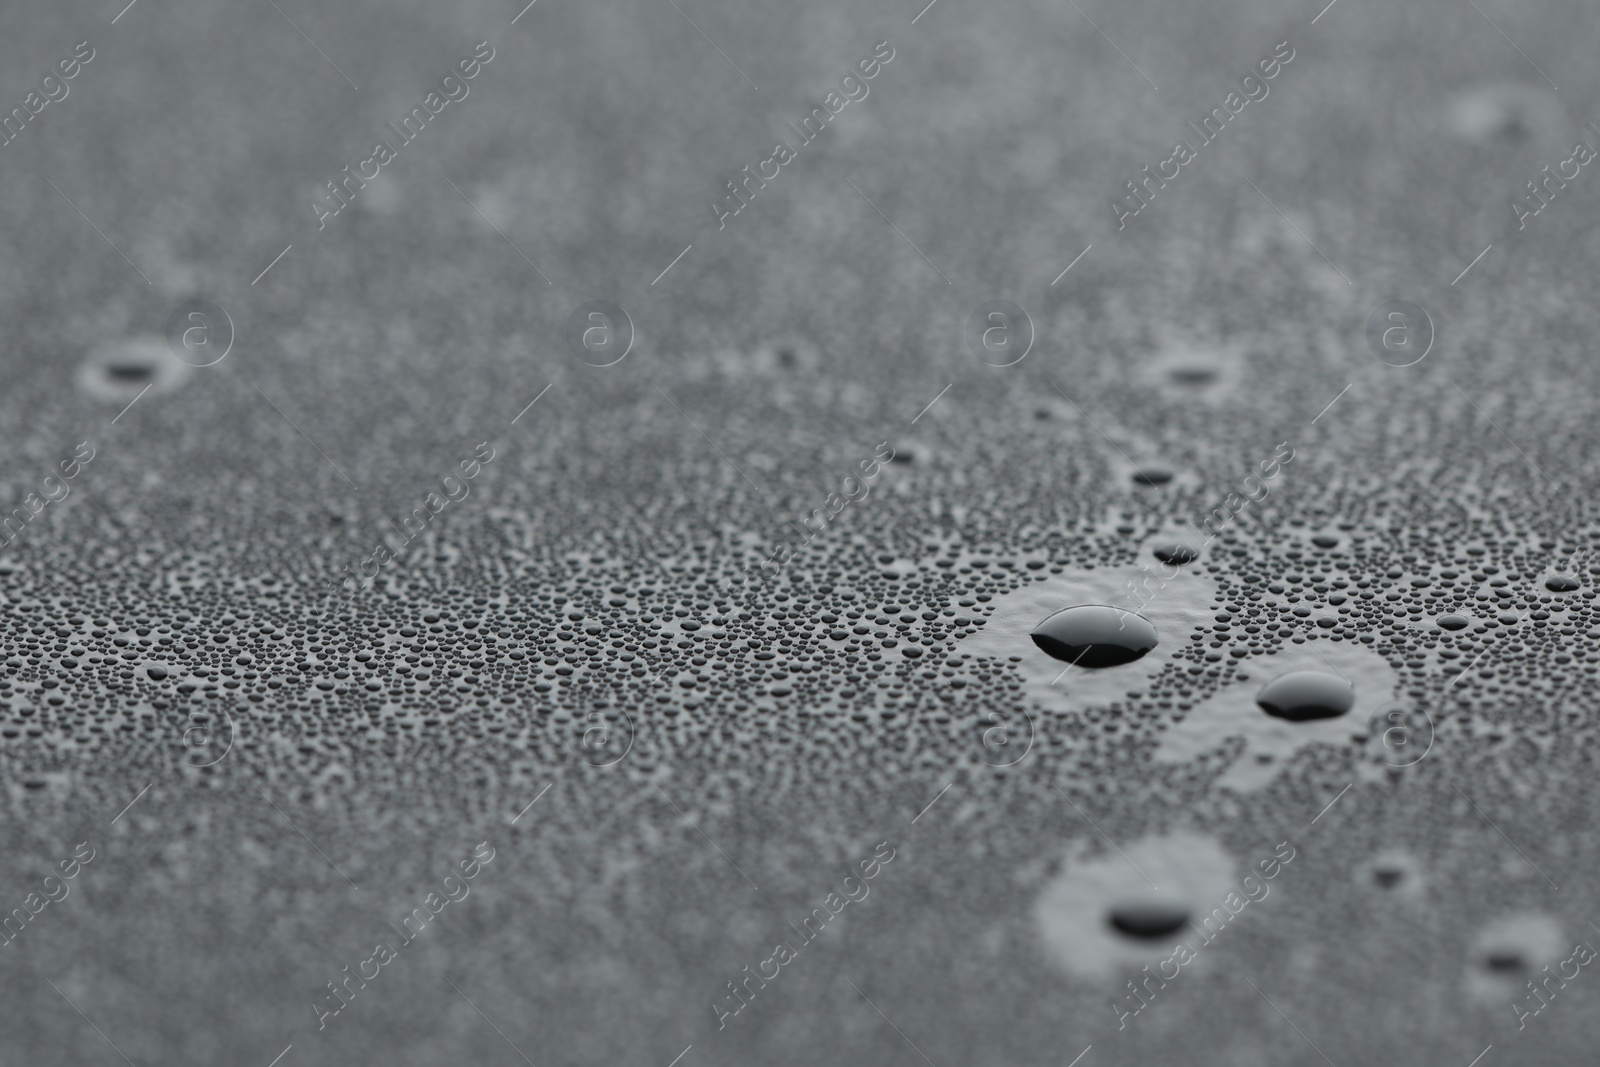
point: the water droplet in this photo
(1453, 622)
(1095, 635)
(1147, 918)
(1505, 961)
(121, 370)
(1560, 583)
(1325, 541)
(1175, 553)
(1152, 476)
(1191, 375)
(1301, 696)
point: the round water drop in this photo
(1152, 476)
(1560, 583)
(1095, 635)
(1505, 961)
(1192, 375)
(1453, 622)
(1301, 696)
(1147, 918)
(1325, 541)
(1175, 553)
(1388, 875)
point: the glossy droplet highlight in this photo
(1192, 375)
(1095, 635)
(1302, 696)
(1152, 476)
(1175, 553)
(1147, 918)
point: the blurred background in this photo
(524, 500)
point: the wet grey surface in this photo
(676, 661)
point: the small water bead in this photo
(1175, 553)
(1304, 696)
(1147, 918)
(1192, 375)
(1388, 876)
(1152, 476)
(1505, 961)
(1095, 635)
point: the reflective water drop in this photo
(1388, 876)
(1505, 961)
(1192, 375)
(1147, 918)
(1152, 476)
(1301, 696)
(1560, 583)
(1453, 622)
(1175, 553)
(1095, 635)
(1325, 541)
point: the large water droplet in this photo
(1147, 918)
(1301, 696)
(1560, 583)
(1095, 635)
(1453, 622)
(1175, 553)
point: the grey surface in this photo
(264, 853)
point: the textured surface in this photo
(672, 764)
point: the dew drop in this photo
(1302, 696)
(1175, 553)
(1325, 541)
(1095, 635)
(1147, 919)
(1561, 583)
(1453, 622)
(1152, 476)
(1388, 877)
(1192, 375)
(1505, 961)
